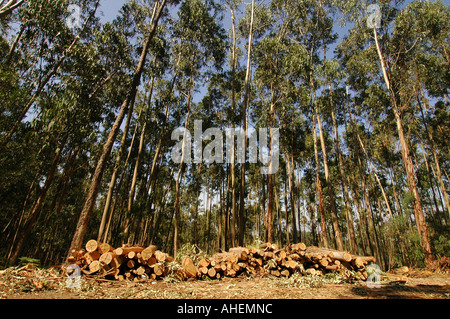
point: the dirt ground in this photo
(32, 284)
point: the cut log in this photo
(324, 262)
(240, 252)
(290, 264)
(203, 270)
(342, 256)
(285, 273)
(126, 249)
(131, 263)
(212, 272)
(140, 271)
(148, 252)
(281, 254)
(92, 245)
(106, 258)
(94, 266)
(189, 267)
(151, 261)
(104, 248)
(158, 269)
(91, 256)
(299, 246)
(162, 257)
(204, 262)
(332, 267)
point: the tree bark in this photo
(319, 187)
(291, 167)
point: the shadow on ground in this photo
(404, 291)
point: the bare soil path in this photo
(42, 285)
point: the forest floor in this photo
(50, 284)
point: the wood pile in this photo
(269, 260)
(138, 263)
(126, 262)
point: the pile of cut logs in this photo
(269, 260)
(126, 262)
(139, 263)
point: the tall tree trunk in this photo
(181, 170)
(234, 62)
(112, 183)
(333, 210)
(348, 210)
(83, 220)
(140, 150)
(291, 168)
(245, 107)
(288, 241)
(407, 163)
(319, 191)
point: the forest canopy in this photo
(348, 98)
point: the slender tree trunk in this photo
(9, 7)
(245, 107)
(234, 61)
(291, 181)
(24, 234)
(376, 175)
(112, 183)
(408, 164)
(434, 152)
(83, 220)
(140, 151)
(348, 210)
(288, 241)
(333, 211)
(181, 171)
(319, 187)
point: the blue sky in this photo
(110, 9)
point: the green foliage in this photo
(27, 260)
(404, 235)
(442, 246)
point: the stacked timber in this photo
(126, 262)
(270, 260)
(138, 263)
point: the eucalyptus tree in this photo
(388, 54)
(199, 44)
(55, 65)
(422, 46)
(83, 220)
(45, 21)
